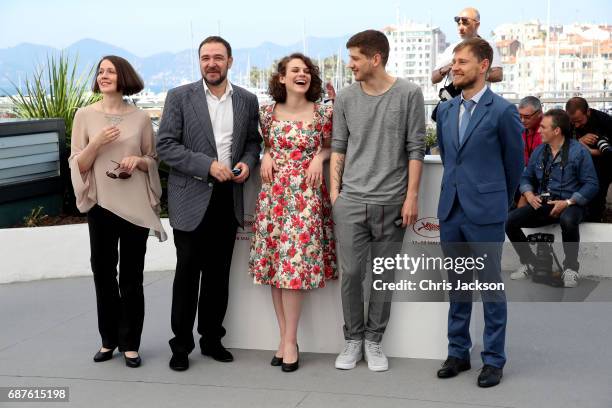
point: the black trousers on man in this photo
(597, 205)
(205, 251)
(528, 217)
(121, 307)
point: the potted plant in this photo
(431, 141)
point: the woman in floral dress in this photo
(293, 248)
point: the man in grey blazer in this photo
(209, 138)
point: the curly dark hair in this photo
(278, 92)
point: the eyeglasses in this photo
(464, 20)
(526, 117)
(122, 175)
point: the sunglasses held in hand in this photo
(122, 175)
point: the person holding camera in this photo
(593, 129)
(468, 22)
(558, 183)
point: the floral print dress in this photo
(293, 245)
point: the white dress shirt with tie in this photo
(475, 98)
(222, 118)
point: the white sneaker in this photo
(351, 355)
(570, 278)
(523, 272)
(377, 361)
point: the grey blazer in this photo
(185, 141)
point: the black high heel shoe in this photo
(290, 367)
(276, 361)
(103, 355)
(132, 362)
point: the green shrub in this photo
(54, 91)
(35, 218)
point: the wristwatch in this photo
(569, 202)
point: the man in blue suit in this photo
(479, 134)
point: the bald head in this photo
(468, 23)
(470, 12)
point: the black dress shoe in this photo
(217, 352)
(132, 362)
(103, 355)
(290, 367)
(276, 361)
(179, 362)
(453, 366)
(490, 376)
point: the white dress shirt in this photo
(222, 118)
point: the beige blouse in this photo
(136, 199)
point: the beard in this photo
(466, 83)
(222, 77)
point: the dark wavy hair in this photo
(278, 92)
(370, 43)
(128, 80)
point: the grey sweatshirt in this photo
(378, 135)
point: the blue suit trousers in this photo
(461, 237)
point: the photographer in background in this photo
(593, 129)
(558, 183)
(468, 22)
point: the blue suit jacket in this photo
(483, 172)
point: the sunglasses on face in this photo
(122, 175)
(464, 20)
(526, 117)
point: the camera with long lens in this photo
(604, 146)
(543, 265)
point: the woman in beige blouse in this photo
(114, 173)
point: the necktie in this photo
(465, 118)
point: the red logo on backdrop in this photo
(428, 227)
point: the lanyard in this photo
(529, 145)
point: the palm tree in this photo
(54, 91)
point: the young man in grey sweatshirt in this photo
(377, 157)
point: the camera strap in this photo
(548, 168)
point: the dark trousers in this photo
(460, 237)
(528, 217)
(205, 251)
(597, 205)
(121, 306)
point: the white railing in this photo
(597, 102)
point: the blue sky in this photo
(152, 26)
